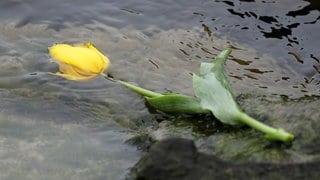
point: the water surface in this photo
(58, 129)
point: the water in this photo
(58, 129)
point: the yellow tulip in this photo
(79, 62)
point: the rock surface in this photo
(178, 158)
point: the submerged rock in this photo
(178, 158)
(244, 144)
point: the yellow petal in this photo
(107, 62)
(86, 59)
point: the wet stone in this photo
(178, 158)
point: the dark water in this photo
(56, 129)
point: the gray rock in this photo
(178, 158)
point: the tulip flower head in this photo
(79, 62)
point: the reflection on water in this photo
(50, 127)
(40, 148)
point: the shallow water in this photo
(58, 129)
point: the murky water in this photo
(51, 128)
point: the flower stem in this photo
(271, 133)
(137, 89)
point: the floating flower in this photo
(79, 62)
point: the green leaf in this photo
(214, 94)
(211, 86)
(177, 103)
(213, 89)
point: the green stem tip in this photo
(270, 132)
